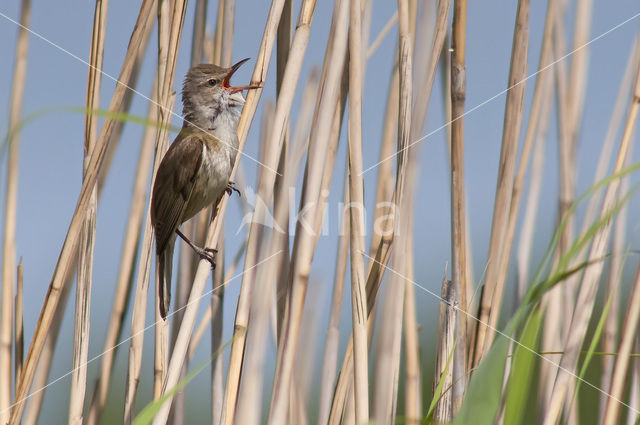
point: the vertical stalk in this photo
(514, 108)
(11, 198)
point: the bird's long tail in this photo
(164, 261)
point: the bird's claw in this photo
(231, 187)
(208, 254)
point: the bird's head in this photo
(209, 86)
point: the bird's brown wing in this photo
(173, 186)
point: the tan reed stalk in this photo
(330, 358)
(388, 350)
(188, 261)
(537, 115)
(382, 34)
(264, 193)
(126, 105)
(161, 327)
(207, 317)
(249, 401)
(169, 29)
(527, 227)
(220, 278)
(41, 381)
(459, 238)
(226, 39)
(634, 391)
(356, 230)
(588, 285)
(413, 375)
(628, 336)
(443, 412)
(601, 169)
(492, 294)
(65, 260)
(87, 237)
(124, 279)
(213, 234)
(282, 56)
(305, 238)
(10, 211)
(614, 278)
(610, 332)
(18, 326)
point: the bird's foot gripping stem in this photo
(231, 187)
(208, 254)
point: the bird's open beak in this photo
(236, 89)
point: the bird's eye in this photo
(212, 82)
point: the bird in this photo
(195, 170)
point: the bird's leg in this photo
(231, 187)
(204, 253)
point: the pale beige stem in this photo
(10, 211)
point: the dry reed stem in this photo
(265, 193)
(282, 56)
(330, 357)
(226, 39)
(610, 331)
(208, 315)
(213, 234)
(382, 34)
(87, 237)
(413, 374)
(588, 285)
(388, 350)
(188, 261)
(443, 412)
(65, 260)
(628, 336)
(18, 328)
(11, 198)
(537, 115)
(459, 237)
(140, 300)
(124, 279)
(492, 294)
(249, 391)
(304, 241)
(612, 382)
(356, 230)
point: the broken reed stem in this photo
(68, 249)
(18, 333)
(588, 285)
(10, 211)
(492, 294)
(446, 340)
(87, 237)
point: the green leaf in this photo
(520, 385)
